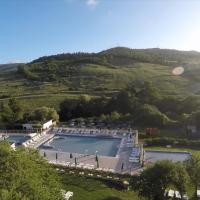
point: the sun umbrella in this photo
(122, 167)
(56, 156)
(97, 160)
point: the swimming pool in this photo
(153, 156)
(19, 139)
(84, 145)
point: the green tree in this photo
(154, 180)
(115, 116)
(180, 178)
(17, 109)
(25, 175)
(45, 113)
(148, 94)
(12, 112)
(193, 169)
(194, 118)
(148, 115)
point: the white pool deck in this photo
(105, 163)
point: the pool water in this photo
(18, 138)
(153, 156)
(84, 145)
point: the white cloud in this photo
(92, 3)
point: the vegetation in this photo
(142, 104)
(95, 188)
(14, 113)
(163, 175)
(101, 73)
(24, 175)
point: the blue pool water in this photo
(84, 145)
(18, 138)
(153, 156)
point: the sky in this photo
(33, 28)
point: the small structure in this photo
(151, 131)
(47, 124)
(43, 126)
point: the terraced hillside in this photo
(51, 79)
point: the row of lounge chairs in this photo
(91, 131)
(3, 137)
(135, 155)
(174, 194)
(34, 139)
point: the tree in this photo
(194, 118)
(17, 109)
(190, 104)
(123, 102)
(115, 116)
(193, 169)
(148, 94)
(12, 112)
(45, 113)
(149, 115)
(24, 175)
(180, 178)
(154, 180)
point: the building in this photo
(43, 126)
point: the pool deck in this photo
(106, 163)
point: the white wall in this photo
(47, 124)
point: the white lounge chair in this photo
(67, 195)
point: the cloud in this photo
(92, 3)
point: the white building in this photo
(44, 126)
(47, 125)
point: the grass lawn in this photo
(92, 189)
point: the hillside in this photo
(8, 67)
(66, 75)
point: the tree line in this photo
(14, 113)
(141, 103)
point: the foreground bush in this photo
(24, 175)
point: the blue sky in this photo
(33, 28)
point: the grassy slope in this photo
(91, 189)
(87, 77)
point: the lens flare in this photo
(178, 71)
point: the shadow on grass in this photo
(112, 198)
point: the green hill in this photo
(8, 67)
(66, 75)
